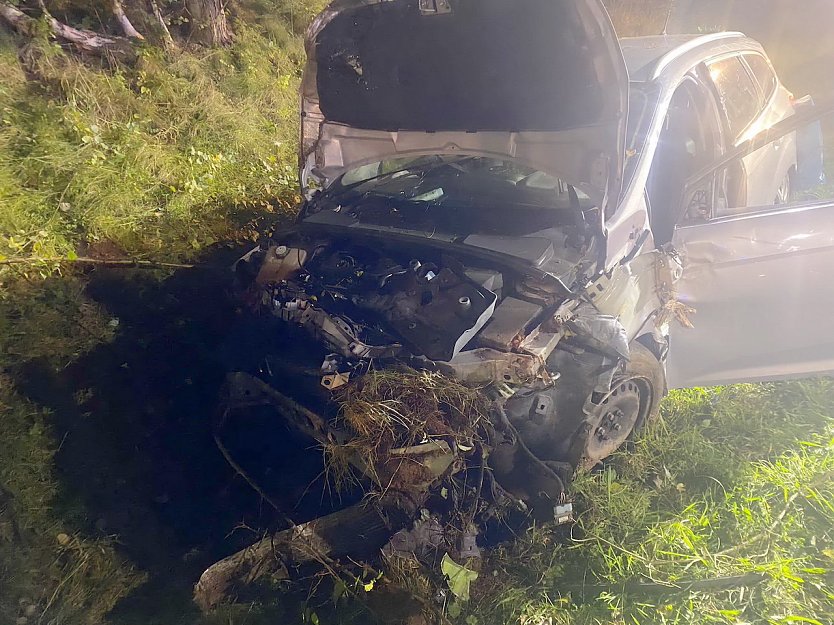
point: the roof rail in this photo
(689, 46)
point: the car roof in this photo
(647, 57)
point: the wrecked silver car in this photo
(506, 197)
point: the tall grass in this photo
(160, 158)
(156, 160)
(48, 573)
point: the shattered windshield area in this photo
(454, 194)
(459, 181)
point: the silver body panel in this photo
(761, 287)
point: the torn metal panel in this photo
(484, 366)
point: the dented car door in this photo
(760, 286)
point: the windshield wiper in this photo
(432, 162)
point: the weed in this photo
(162, 158)
(388, 409)
(47, 571)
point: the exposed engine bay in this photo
(512, 335)
(464, 386)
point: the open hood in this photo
(541, 82)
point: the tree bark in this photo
(16, 18)
(167, 39)
(209, 25)
(124, 22)
(359, 531)
(84, 40)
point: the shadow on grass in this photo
(134, 416)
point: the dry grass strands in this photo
(391, 409)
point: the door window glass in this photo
(764, 74)
(738, 94)
(688, 142)
(798, 175)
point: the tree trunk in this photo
(167, 40)
(209, 25)
(359, 531)
(17, 19)
(124, 22)
(82, 39)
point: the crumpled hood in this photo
(542, 82)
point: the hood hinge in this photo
(435, 7)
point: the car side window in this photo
(738, 94)
(800, 179)
(764, 74)
(689, 140)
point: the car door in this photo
(759, 281)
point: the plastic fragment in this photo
(458, 577)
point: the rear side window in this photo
(738, 93)
(764, 74)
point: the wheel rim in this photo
(625, 406)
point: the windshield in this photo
(455, 194)
(459, 181)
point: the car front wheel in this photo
(634, 398)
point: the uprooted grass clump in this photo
(388, 409)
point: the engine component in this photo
(338, 333)
(280, 263)
(436, 311)
(490, 280)
(506, 329)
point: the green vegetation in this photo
(157, 159)
(160, 159)
(729, 483)
(46, 569)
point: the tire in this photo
(633, 401)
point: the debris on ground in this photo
(437, 462)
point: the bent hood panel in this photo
(496, 77)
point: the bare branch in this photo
(85, 40)
(116, 262)
(124, 22)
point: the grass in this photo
(728, 482)
(159, 159)
(47, 572)
(389, 409)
